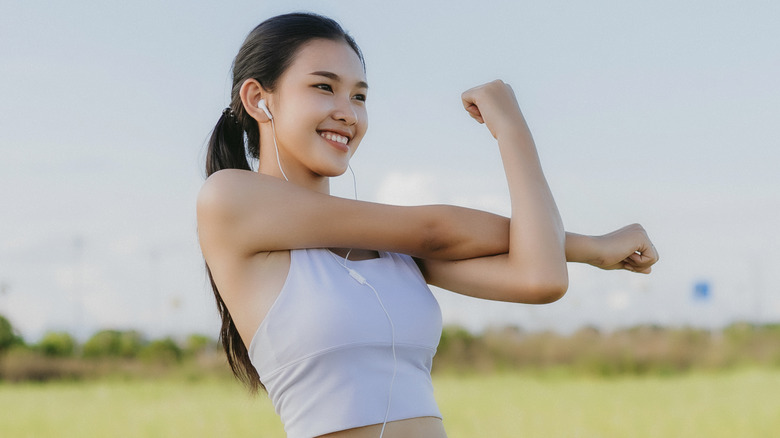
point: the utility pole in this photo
(5, 288)
(79, 283)
(757, 291)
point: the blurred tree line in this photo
(106, 344)
(107, 352)
(635, 351)
(641, 350)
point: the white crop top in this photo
(324, 350)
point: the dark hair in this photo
(265, 55)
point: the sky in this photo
(662, 113)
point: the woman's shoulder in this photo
(228, 190)
(226, 181)
(222, 202)
(241, 211)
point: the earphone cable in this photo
(354, 180)
(278, 161)
(360, 279)
(354, 189)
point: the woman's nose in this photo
(345, 112)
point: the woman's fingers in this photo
(474, 113)
(628, 266)
(628, 248)
(469, 100)
(646, 255)
(496, 94)
(637, 263)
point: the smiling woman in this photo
(321, 97)
(324, 300)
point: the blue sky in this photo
(662, 113)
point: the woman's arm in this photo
(534, 268)
(253, 215)
(241, 213)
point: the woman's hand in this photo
(493, 104)
(628, 248)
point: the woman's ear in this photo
(251, 92)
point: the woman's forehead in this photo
(323, 55)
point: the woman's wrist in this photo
(581, 248)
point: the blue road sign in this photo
(701, 291)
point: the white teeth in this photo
(335, 137)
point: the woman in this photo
(324, 300)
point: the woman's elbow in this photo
(550, 293)
(540, 291)
(546, 283)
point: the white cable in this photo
(354, 189)
(362, 280)
(395, 361)
(354, 181)
(279, 162)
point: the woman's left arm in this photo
(627, 248)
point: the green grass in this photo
(135, 408)
(735, 404)
(743, 404)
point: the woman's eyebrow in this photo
(335, 77)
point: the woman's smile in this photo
(338, 141)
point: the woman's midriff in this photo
(420, 427)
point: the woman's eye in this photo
(324, 87)
(360, 97)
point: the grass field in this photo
(738, 404)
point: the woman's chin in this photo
(332, 171)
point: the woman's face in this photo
(319, 108)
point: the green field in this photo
(737, 404)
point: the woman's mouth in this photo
(336, 140)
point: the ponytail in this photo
(235, 349)
(227, 151)
(226, 146)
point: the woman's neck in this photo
(274, 165)
(312, 182)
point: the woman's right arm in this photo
(246, 212)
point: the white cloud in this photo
(408, 189)
(619, 300)
(126, 245)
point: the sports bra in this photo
(324, 350)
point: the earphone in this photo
(262, 106)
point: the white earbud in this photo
(261, 105)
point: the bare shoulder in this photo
(223, 203)
(226, 190)
(215, 194)
(229, 196)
